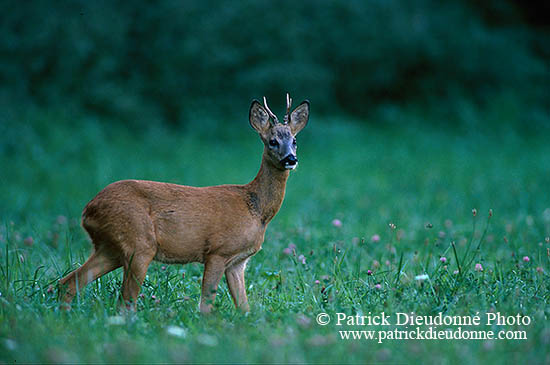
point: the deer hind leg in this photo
(135, 270)
(235, 281)
(98, 264)
(213, 272)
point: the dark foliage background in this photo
(169, 60)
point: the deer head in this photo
(279, 138)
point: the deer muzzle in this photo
(290, 162)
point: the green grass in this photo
(424, 181)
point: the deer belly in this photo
(180, 243)
(180, 253)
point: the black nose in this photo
(290, 160)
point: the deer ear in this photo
(258, 117)
(299, 117)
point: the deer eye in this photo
(273, 143)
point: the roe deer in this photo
(133, 222)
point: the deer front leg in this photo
(213, 271)
(235, 281)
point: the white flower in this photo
(176, 331)
(116, 321)
(421, 277)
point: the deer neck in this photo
(267, 190)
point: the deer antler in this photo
(288, 105)
(272, 116)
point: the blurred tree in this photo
(167, 59)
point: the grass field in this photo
(389, 199)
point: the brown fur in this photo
(132, 223)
